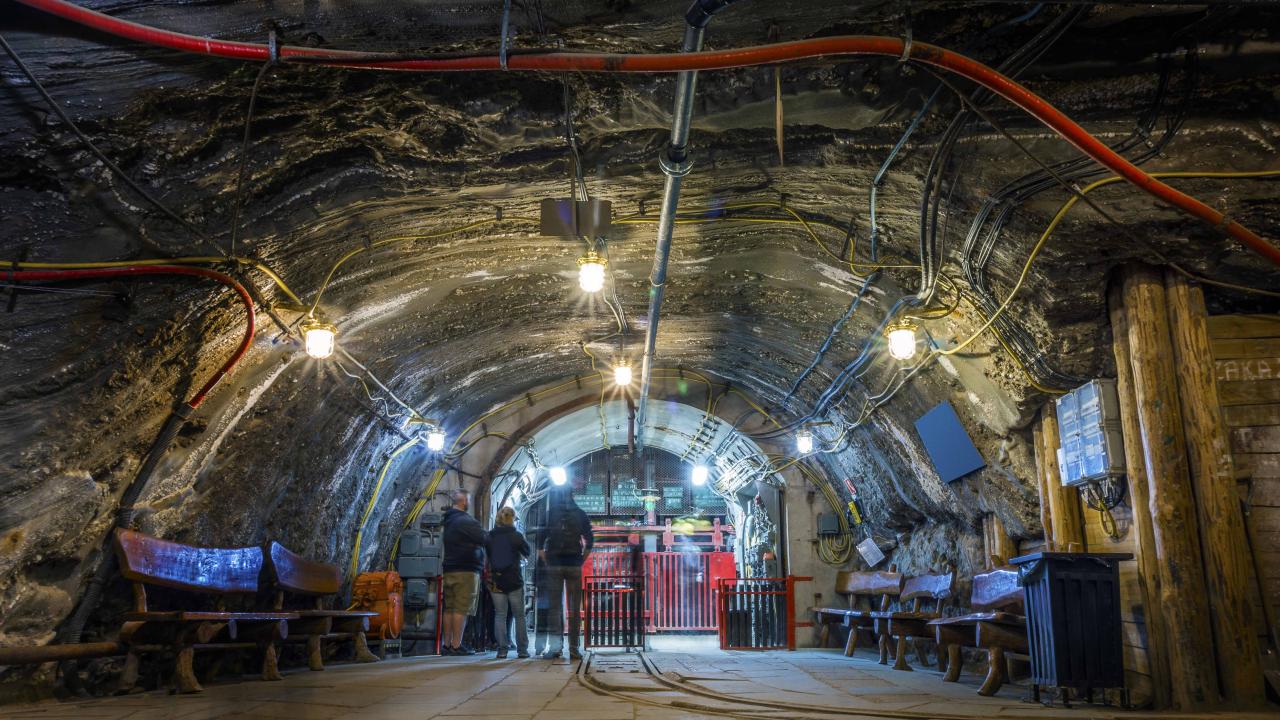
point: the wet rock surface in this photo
(457, 323)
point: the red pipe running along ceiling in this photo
(775, 53)
(132, 271)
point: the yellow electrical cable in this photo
(1062, 213)
(373, 501)
(406, 238)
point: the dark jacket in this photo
(563, 559)
(463, 542)
(505, 547)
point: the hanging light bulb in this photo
(319, 338)
(804, 442)
(435, 440)
(622, 375)
(700, 474)
(591, 272)
(902, 340)
(559, 476)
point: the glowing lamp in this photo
(319, 338)
(559, 476)
(700, 474)
(622, 375)
(591, 272)
(435, 440)
(902, 340)
(804, 442)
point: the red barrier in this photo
(680, 587)
(758, 613)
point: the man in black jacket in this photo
(565, 547)
(464, 541)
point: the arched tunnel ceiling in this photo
(460, 323)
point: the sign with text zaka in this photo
(870, 552)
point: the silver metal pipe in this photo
(675, 164)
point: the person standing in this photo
(565, 547)
(506, 549)
(464, 541)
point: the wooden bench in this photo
(860, 589)
(292, 574)
(913, 623)
(997, 627)
(216, 572)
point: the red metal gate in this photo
(758, 613)
(680, 587)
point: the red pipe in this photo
(677, 62)
(63, 275)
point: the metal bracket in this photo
(674, 168)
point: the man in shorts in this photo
(464, 541)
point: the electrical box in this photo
(411, 566)
(828, 524)
(1092, 446)
(418, 594)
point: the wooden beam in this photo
(998, 543)
(1140, 500)
(1193, 680)
(1042, 485)
(1064, 502)
(1222, 533)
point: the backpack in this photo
(508, 577)
(565, 537)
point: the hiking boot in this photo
(549, 655)
(523, 654)
(502, 655)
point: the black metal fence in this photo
(613, 611)
(757, 614)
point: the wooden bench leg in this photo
(995, 671)
(184, 675)
(362, 649)
(900, 662)
(922, 652)
(884, 648)
(852, 642)
(270, 662)
(953, 663)
(129, 676)
(824, 635)
(315, 656)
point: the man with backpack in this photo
(506, 548)
(565, 548)
(464, 541)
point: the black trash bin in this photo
(1073, 621)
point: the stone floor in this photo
(708, 682)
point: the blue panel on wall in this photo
(949, 446)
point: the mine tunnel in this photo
(546, 360)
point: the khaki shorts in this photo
(461, 590)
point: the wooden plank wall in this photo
(1137, 664)
(1246, 352)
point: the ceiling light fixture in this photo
(700, 473)
(902, 340)
(804, 442)
(435, 440)
(319, 338)
(622, 375)
(591, 272)
(559, 476)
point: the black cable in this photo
(244, 152)
(89, 144)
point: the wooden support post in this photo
(1193, 680)
(999, 546)
(1222, 535)
(1140, 500)
(1042, 481)
(1064, 502)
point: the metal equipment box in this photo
(1092, 447)
(413, 566)
(828, 524)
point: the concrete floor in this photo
(422, 688)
